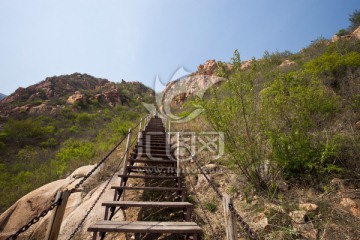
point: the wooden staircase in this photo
(153, 162)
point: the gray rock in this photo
(298, 216)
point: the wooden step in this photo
(151, 169)
(154, 136)
(152, 140)
(149, 188)
(145, 227)
(154, 132)
(148, 176)
(186, 206)
(146, 204)
(153, 161)
(151, 145)
(155, 155)
(152, 150)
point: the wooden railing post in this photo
(230, 220)
(126, 152)
(139, 133)
(169, 130)
(146, 121)
(58, 215)
(178, 155)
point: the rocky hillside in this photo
(54, 93)
(63, 122)
(213, 72)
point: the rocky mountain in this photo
(213, 72)
(52, 94)
(2, 96)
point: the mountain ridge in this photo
(53, 93)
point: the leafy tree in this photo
(271, 123)
(234, 111)
(355, 20)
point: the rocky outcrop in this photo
(287, 63)
(246, 64)
(176, 92)
(355, 34)
(112, 97)
(77, 97)
(350, 204)
(208, 68)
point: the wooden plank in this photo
(145, 227)
(150, 188)
(153, 161)
(159, 168)
(160, 146)
(148, 176)
(146, 204)
(150, 155)
(146, 139)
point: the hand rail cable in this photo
(34, 220)
(103, 160)
(242, 222)
(114, 212)
(57, 203)
(101, 193)
(201, 206)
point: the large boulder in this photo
(35, 202)
(208, 68)
(112, 97)
(28, 207)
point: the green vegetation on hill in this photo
(39, 148)
(297, 121)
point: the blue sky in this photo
(137, 40)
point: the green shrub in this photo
(211, 206)
(274, 123)
(334, 63)
(23, 132)
(74, 153)
(342, 32)
(84, 119)
(51, 143)
(355, 20)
